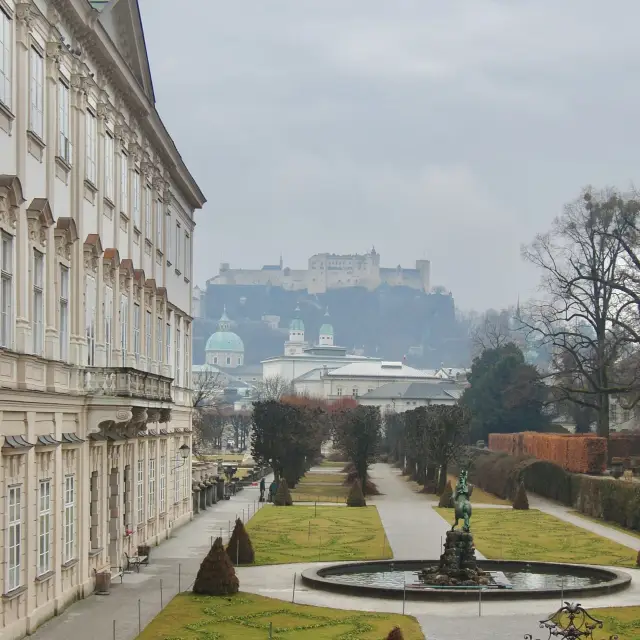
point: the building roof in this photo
(379, 369)
(224, 341)
(314, 374)
(416, 391)
(326, 330)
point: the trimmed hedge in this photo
(606, 498)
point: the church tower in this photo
(296, 345)
(326, 332)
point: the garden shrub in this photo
(356, 497)
(240, 549)
(446, 499)
(216, 576)
(283, 495)
(349, 468)
(521, 501)
(395, 634)
(370, 488)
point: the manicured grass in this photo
(479, 496)
(604, 523)
(308, 534)
(532, 535)
(333, 490)
(323, 478)
(331, 463)
(621, 621)
(246, 616)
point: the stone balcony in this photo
(125, 382)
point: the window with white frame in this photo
(64, 128)
(90, 319)
(124, 327)
(136, 199)
(69, 518)
(147, 331)
(44, 527)
(147, 213)
(163, 483)
(339, 391)
(152, 488)
(36, 97)
(38, 302)
(64, 312)
(159, 340)
(159, 224)
(136, 332)
(109, 160)
(124, 183)
(14, 539)
(6, 290)
(187, 358)
(6, 59)
(108, 324)
(176, 473)
(168, 345)
(187, 255)
(92, 148)
(185, 477)
(355, 392)
(178, 241)
(178, 379)
(140, 490)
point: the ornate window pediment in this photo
(11, 199)
(65, 234)
(149, 291)
(161, 299)
(110, 263)
(126, 273)
(92, 252)
(39, 219)
(138, 284)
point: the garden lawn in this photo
(604, 523)
(621, 621)
(308, 534)
(323, 478)
(479, 496)
(331, 463)
(246, 617)
(508, 534)
(314, 492)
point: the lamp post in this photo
(184, 454)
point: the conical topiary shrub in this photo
(216, 576)
(356, 497)
(240, 549)
(521, 501)
(395, 634)
(283, 495)
(446, 499)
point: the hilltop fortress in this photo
(329, 271)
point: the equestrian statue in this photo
(461, 501)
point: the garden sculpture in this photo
(461, 502)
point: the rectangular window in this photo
(339, 391)
(159, 224)
(178, 379)
(140, 492)
(178, 240)
(168, 345)
(355, 392)
(64, 312)
(44, 527)
(176, 473)
(159, 340)
(187, 255)
(14, 539)
(152, 488)
(108, 324)
(187, 363)
(90, 319)
(36, 111)
(6, 58)
(124, 183)
(136, 199)
(109, 159)
(136, 332)
(64, 140)
(124, 327)
(92, 148)
(147, 330)
(148, 231)
(185, 477)
(38, 302)
(69, 518)
(6, 291)
(163, 483)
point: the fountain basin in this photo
(512, 580)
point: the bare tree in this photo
(207, 384)
(492, 330)
(273, 388)
(240, 422)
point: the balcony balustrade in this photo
(125, 382)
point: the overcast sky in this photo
(452, 131)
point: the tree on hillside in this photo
(589, 310)
(492, 330)
(357, 433)
(505, 395)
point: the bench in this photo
(135, 561)
(117, 572)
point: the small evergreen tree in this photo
(521, 501)
(395, 634)
(216, 576)
(638, 559)
(356, 497)
(240, 549)
(283, 495)
(446, 499)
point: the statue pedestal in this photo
(458, 565)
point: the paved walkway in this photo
(174, 565)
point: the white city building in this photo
(96, 228)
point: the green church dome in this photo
(224, 341)
(326, 330)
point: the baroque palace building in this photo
(96, 229)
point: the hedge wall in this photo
(624, 445)
(612, 500)
(577, 453)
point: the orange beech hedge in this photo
(575, 453)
